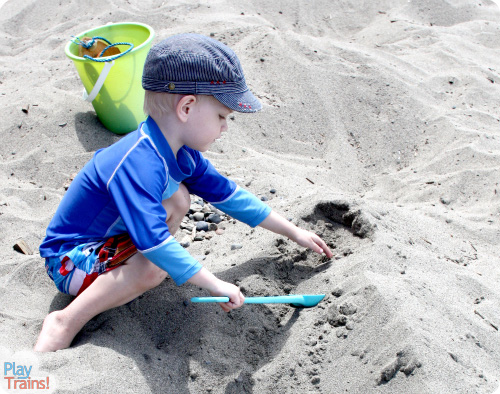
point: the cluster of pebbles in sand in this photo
(202, 222)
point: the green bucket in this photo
(115, 86)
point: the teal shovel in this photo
(300, 301)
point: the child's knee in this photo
(179, 203)
(152, 276)
(184, 199)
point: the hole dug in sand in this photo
(341, 212)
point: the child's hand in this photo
(217, 288)
(310, 240)
(279, 225)
(236, 298)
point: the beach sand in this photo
(380, 131)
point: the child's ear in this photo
(185, 106)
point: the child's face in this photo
(207, 121)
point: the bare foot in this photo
(54, 335)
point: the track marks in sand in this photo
(405, 361)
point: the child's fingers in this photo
(321, 246)
(238, 300)
(234, 302)
(316, 248)
(326, 249)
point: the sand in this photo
(380, 131)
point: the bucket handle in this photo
(107, 66)
(98, 85)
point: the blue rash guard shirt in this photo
(120, 190)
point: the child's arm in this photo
(279, 225)
(205, 279)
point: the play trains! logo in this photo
(21, 373)
(18, 378)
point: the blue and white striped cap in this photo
(196, 64)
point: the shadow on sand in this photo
(180, 347)
(174, 342)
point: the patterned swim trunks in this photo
(74, 271)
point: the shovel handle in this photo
(255, 300)
(210, 299)
(275, 300)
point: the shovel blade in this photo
(310, 300)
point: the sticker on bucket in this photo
(113, 83)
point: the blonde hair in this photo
(158, 103)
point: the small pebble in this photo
(272, 191)
(198, 216)
(214, 218)
(445, 200)
(264, 198)
(201, 226)
(195, 208)
(236, 246)
(337, 292)
(348, 308)
(188, 226)
(185, 241)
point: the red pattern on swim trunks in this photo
(116, 250)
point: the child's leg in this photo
(110, 289)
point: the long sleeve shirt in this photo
(121, 189)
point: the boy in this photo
(111, 238)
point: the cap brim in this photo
(240, 102)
